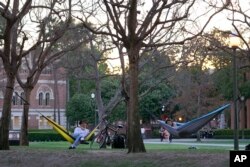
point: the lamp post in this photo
(93, 97)
(163, 116)
(163, 109)
(234, 43)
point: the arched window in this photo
(40, 100)
(47, 98)
(21, 99)
(45, 89)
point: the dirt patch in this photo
(26, 157)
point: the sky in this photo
(220, 21)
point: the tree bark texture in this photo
(10, 62)
(24, 141)
(6, 113)
(135, 142)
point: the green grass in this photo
(153, 147)
(176, 147)
(157, 155)
(219, 141)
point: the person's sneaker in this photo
(72, 147)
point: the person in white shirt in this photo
(143, 133)
(79, 134)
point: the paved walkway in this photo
(204, 142)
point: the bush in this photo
(229, 134)
(44, 135)
(154, 134)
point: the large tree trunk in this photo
(24, 141)
(10, 60)
(6, 113)
(135, 142)
(98, 95)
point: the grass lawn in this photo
(57, 154)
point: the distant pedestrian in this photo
(143, 132)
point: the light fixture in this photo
(92, 95)
(242, 98)
(163, 108)
(234, 42)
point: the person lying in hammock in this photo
(79, 134)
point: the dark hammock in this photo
(188, 128)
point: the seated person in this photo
(164, 134)
(79, 133)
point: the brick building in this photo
(48, 97)
(243, 108)
(244, 115)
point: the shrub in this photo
(229, 134)
(44, 135)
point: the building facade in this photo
(244, 115)
(48, 98)
(243, 109)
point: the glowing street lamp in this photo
(93, 96)
(234, 44)
(163, 108)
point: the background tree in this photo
(238, 15)
(194, 80)
(80, 107)
(151, 104)
(12, 52)
(35, 52)
(156, 71)
(161, 23)
(240, 21)
(53, 31)
(89, 73)
(108, 87)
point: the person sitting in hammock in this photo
(79, 134)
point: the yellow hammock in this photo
(64, 133)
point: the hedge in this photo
(51, 135)
(229, 134)
(44, 135)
